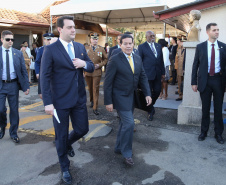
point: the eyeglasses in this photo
(8, 39)
(152, 35)
(48, 39)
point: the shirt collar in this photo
(128, 55)
(210, 43)
(10, 49)
(65, 43)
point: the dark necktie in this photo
(212, 62)
(7, 65)
(94, 48)
(152, 48)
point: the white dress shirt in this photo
(11, 66)
(153, 44)
(217, 56)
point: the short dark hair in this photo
(208, 26)
(124, 37)
(174, 38)
(6, 32)
(162, 42)
(24, 42)
(128, 33)
(60, 20)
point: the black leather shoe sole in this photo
(15, 139)
(71, 152)
(150, 117)
(96, 112)
(219, 139)
(128, 161)
(66, 177)
(202, 137)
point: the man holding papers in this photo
(63, 89)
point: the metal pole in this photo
(164, 24)
(51, 24)
(106, 39)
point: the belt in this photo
(9, 81)
(215, 74)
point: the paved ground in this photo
(163, 152)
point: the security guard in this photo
(99, 57)
(46, 41)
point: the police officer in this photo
(99, 57)
(46, 41)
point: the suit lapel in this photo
(157, 49)
(220, 53)
(125, 61)
(206, 53)
(64, 52)
(149, 49)
(75, 49)
(15, 60)
(135, 64)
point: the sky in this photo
(35, 6)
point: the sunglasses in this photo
(8, 39)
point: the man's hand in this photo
(26, 92)
(78, 63)
(49, 109)
(109, 107)
(40, 96)
(163, 77)
(194, 88)
(148, 100)
(96, 66)
(31, 57)
(37, 76)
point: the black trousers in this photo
(155, 88)
(80, 125)
(213, 87)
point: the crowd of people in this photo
(61, 66)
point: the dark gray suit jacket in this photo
(200, 65)
(20, 69)
(120, 82)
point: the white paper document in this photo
(56, 116)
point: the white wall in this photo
(216, 15)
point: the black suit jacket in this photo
(33, 54)
(120, 83)
(200, 65)
(152, 65)
(173, 52)
(110, 51)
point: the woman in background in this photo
(26, 59)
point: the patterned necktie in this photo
(70, 52)
(152, 48)
(212, 62)
(7, 65)
(131, 63)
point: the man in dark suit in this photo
(152, 58)
(13, 76)
(208, 77)
(124, 72)
(118, 50)
(34, 52)
(115, 47)
(63, 90)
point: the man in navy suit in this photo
(13, 76)
(151, 55)
(124, 72)
(115, 47)
(63, 89)
(208, 77)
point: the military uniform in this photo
(98, 56)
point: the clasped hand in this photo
(78, 63)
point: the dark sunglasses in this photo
(8, 39)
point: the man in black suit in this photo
(63, 90)
(208, 77)
(115, 47)
(124, 72)
(34, 52)
(152, 58)
(13, 76)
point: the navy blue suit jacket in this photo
(110, 51)
(61, 83)
(120, 83)
(38, 60)
(20, 69)
(152, 65)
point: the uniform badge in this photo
(99, 54)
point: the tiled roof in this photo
(111, 31)
(46, 12)
(17, 17)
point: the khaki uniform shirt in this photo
(179, 61)
(99, 56)
(26, 59)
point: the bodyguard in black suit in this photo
(124, 72)
(152, 58)
(13, 76)
(63, 89)
(208, 77)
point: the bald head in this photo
(150, 36)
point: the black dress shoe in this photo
(71, 151)
(129, 161)
(219, 139)
(2, 132)
(91, 105)
(15, 139)
(150, 116)
(179, 99)
(202, 136)
(176, 92)
(96, 112)
(66, 177)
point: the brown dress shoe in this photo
(129, 161)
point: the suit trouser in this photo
(125, 133)
(214, 86)
(93, 84)
(179, 81)
(80, 125)
(155, 88)
(11, 92)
